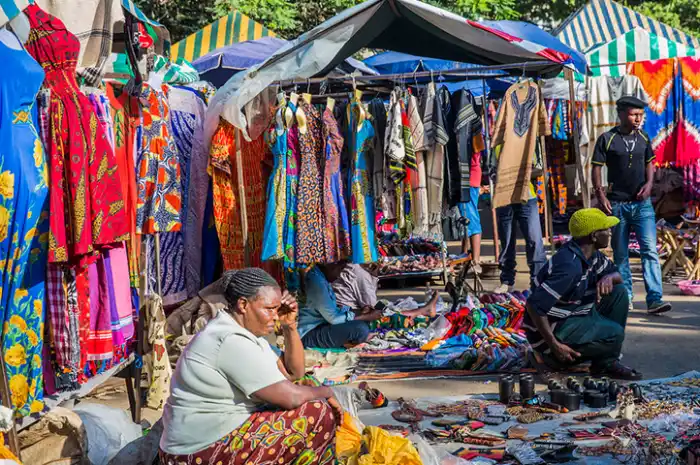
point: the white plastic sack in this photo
(108, 430)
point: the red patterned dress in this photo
(85, 196)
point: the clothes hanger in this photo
(307, 95)
(330, 101)
(357, 95)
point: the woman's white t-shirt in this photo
(210, 393)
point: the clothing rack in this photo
(453, 75)
(456, 74)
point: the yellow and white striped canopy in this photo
(235, 27)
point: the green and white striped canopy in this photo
(232, 28)
(635, 45)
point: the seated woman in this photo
(232, 399)
(325, 323)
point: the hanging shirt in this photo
(626, 156)
(522, 119)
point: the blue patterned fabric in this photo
(23, 228)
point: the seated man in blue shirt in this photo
(578, 307)
(324, 324)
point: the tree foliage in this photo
(289, 18)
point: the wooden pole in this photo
(548, 223)
(487, 143)
(13, 442)
(575, 124)
(241, 196)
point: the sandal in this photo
(617, 370)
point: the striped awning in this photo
(601, 21)
(235, 27)
(635, 45)
(11, 8)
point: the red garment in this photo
(86, 203)
(125, 113)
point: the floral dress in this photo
(23, 228)
(159, 184)
(273, 237)
(290, 223)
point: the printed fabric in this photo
(436, 138)
(86, 206)
(337, 234)
(290, 223)
(187, 109)
(310, 243)
(276, 213)
(661, 82)
(226, 194)
(419, 181)
(688, 152)
(305, 435)
(157, 364)
(362, 223)
(23, 229)
(125, 116)
(198, 190)
(159, 184)
(522, 119)
(467, 125)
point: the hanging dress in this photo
(276, 212)
(23, 227)
(290, 226)
(310, 222)
(86, 202)
(159, 175)
(335, 213)
(362, 224)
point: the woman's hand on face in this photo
(289, 311)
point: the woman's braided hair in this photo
(245, 283)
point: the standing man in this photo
(527, 216)
(626, 151)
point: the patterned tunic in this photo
(159, 184)
(310, 218)
(86, 202)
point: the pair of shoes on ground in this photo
(504, 289)
(656, 308)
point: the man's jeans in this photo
(637, 217)
(528, 217)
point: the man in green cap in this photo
(578, 306)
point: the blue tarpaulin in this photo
(219, 65)
(403, 63)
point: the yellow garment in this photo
(374, 447)
(5, 452)
(589, 220)
(384, 449)
(347, 441)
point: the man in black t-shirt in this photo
(626, 151)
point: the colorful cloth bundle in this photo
(398, 321)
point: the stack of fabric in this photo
(479, 335)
